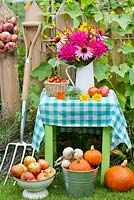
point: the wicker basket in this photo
(53, 88)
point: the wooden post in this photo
(9, 84)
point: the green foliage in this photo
(34, 93)
(72, 9)
(21, 62)
(43, 71)
(102, 71)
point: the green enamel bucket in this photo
(79, 184)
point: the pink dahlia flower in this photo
(79, 38)
(67, 52)
(98, 47)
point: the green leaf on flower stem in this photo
(76, 22)
(101, 71)
(53, 62)
(43, 71)
(98, 16)
(131, 75)
(124, 21)
(130, 93)
(125, 49)
(121, 70)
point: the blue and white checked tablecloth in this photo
(75, 113)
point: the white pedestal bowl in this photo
(35, 189)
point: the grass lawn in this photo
(57, 192)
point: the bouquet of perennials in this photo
(80, 46)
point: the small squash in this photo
(79, 165)
(119, 178)
(93, 156)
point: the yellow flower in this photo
(84, 23)
(53, 24)
(69, 1)
(84, 27)
(84, 97)
(112, 12)
(92, 30)
(45, 36)
(97, 97)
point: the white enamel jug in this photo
(84, 77)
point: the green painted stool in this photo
(50, 147)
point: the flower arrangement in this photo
(79, 46)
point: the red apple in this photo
(28, 160)
(41, 176)
(104, 90)
(49, 172)
(28, 176)
(43, 163)
(18, 169)
(92, 90)
(34, 168)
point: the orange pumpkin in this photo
(93, 156)
(119, 178)
(79, 165)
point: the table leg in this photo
(50, 143)
(106, 140)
